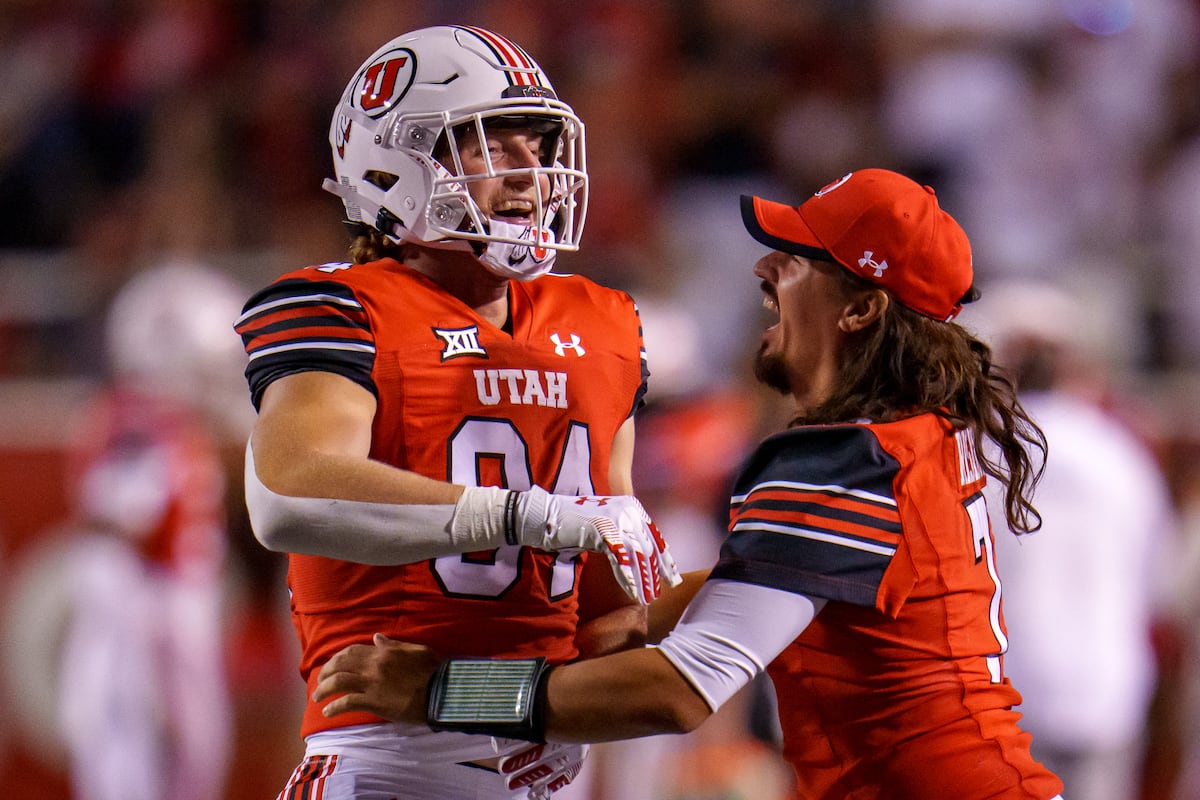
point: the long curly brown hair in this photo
(909, 364)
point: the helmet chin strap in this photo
(521, 262)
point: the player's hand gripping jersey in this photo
(463, 401)
(888, 522)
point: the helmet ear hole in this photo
(384, 180)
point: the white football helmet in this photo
(168, 331)
(414, 95)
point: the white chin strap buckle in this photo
(520, 258)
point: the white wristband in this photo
(483, 514)
(500, 516)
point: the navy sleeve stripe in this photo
(313, 321)
(313, 345)
(859, 494)
(816, 534)
(775, 509)
(297, 301)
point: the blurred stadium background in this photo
(1063, 134)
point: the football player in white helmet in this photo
(444, 429)
(415, 148)
(166, 333)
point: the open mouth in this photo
(770, 301)
(520, 211)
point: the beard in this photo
(771, 370)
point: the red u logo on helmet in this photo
(379, 84)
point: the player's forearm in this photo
(669, 607)
(609, 621)
(625, 695)
(622, 696)
(619, 629)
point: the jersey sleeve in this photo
(297, 325)
(814, 512)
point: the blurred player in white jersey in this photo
(143, 704)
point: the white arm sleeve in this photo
(372, 533)
(731, 631)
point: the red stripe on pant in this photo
(308, 779)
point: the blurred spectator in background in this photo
(143, 703)
(1082, 595)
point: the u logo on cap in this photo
(832, 186)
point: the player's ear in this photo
(864, 310)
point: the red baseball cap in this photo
(881, 226)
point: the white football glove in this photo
(543, 768)
(615, 525)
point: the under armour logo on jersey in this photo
(460, 342)
(867, 262)
(561, 347)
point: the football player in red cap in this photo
(858, 570)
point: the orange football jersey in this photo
(463, 401)
(896, 689)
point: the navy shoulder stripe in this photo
(297, 325)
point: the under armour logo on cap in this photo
(867, 262)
